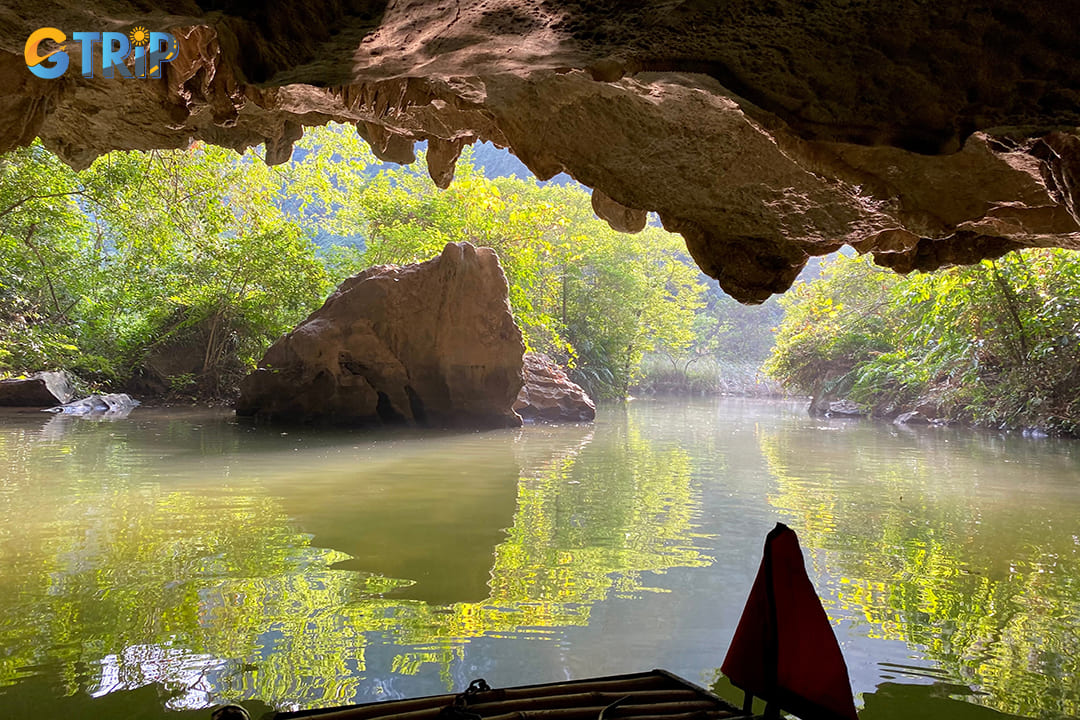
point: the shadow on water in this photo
(898, 701)
(46, 696)
(212, 561)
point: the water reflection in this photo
(962, 545)
(176, 559)
(302, 568)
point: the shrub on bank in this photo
(708, 377)
(994, 344)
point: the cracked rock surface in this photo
(763, 132)
(432, 345)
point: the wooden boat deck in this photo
(654, 695)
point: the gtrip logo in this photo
(148, 52)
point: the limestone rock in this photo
(764, 133)
(549, 395)
(431, 344)
(827, 399)
(112, 404)
(619, 217)
(42, 389)
(843, 408)
(913, 417)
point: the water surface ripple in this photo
(153, 566)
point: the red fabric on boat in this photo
(784, 649)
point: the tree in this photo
(143, 253)
(996, 343)
(833, 325)
(45, 257)
(200, 253)
(181, 267)
(593, 298)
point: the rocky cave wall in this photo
(764, 132)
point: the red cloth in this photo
(784, 649)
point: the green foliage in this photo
(195, 254)
(593, 298)
(41, 228)
(711, 376)
(996, 343)
(177, 269)
(833, 325)
(723, 352)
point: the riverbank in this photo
(1026, 411)
(709, 378)
(992, 345)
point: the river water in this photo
(153, 566)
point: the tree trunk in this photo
(1012, 304)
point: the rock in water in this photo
(113, 404)
(42, 389)
(432, 344)
(549, 395)
(911, 418)
(843, 408)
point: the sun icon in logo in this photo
(139, 36)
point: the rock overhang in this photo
(764, 133)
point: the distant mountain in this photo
(499, 162)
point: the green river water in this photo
(154, 566)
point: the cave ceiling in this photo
(765, 131)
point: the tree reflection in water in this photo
(933, 538)
(198, 562)
(185, 556)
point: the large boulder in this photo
(42, 389)
(549, 395)
(431, 344)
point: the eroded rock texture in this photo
(764, 132)
(549, 395)
(432, 344)
(42, 389)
